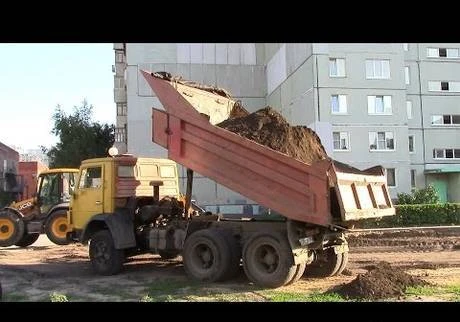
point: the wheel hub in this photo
(6, 229)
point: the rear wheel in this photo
(298, 273)
(105, 259)
(56, 227)
(207, 256)
(267, 260)
(27, 239)
(11, 228)
(327, 263)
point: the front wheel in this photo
(104, 257)
(56, 227)
(11, 228)
(27, 239)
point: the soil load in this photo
(268, 127)
(381, 281)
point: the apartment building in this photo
(396, 105)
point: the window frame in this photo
(413, 144)
(335, 60)
(339, 105)
(347, 136)
(394, 177)
(385, 98)
(374, 69)
(385, 141)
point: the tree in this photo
(426, 195)
(79, 137)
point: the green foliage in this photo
(56, 297)
(419, 215)
(79, 137)
(426, 195)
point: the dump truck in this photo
(21, 223)
(317, 202)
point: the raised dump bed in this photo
(324, 193)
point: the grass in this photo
(451, 291)
(14, 297)
(278, 296)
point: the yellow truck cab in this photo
(109, 190)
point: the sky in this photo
(35, 78)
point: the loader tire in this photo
(168, 254)
(11, 228)
(207, 256)
(27, 239)
(56, 227)
(105, 259)
(327, 264)
(267, 260)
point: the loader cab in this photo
(55, 187)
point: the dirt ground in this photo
(36, 272)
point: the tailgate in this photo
(361, 194)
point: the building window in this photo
(411, 143)
(341, 141)
(409, 109)
(407, 75)
(122, 109)
(377, 69)
(449, 119)
(339, 104)
(412, 178)
(391, 177)
(406, 47)
(443, 86)
(336, 67)
(120, 134)
(446, 153)
(443, 53)
(379, 104)
(381, 141)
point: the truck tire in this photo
(56, 227)
(343, 264)
(327, 264)
(11, 228)
(168, 254)
(298, 273)
(267, 260)
(27, 239)
(105, 259)
(207, 256)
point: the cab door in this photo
(88, 198)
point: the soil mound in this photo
(381, 281)
(268, 127)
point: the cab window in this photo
(91, 178)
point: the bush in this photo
(426, 195)
(418, 215)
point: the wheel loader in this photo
(21, 223)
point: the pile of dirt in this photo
(268, 127)
(381, 281)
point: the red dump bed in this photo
(295, 189)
